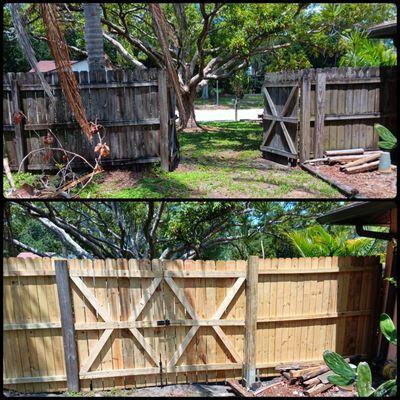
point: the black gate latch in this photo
(163, 322)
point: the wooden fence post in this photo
(320, 89)
(164, 119)
(251, 321)
(305, 101)
(18, 128)
(67, 324)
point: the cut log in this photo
(368, 158)
(316, 390)
(301, 372)
(318, 379)
(343, 152)
(362, 168)
(311, 374)
(345, 159)
(238, 388)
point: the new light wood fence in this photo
(312, 110)
(136, 109)
(141, 322)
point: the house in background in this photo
(77, 66)
(375, 213)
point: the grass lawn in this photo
(226, 101)
(223, 162)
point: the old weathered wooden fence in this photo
(141, 322)
(136, 109)
(309, 111)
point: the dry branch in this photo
(362, 160)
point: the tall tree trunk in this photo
(94, 36)
(190, 117)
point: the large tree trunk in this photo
(189, 121)
(94, 36)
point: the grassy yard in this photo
(223, 162)
(226, 101)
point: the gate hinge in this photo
(164, 322)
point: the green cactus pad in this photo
(364, 380)
(338, 365)
(340, 380)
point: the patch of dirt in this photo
(119, 179)
(371, 184)
(191, 390)
(284, 389)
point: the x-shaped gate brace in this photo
(140, 307)
(280, 117)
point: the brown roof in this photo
(364, 212)
(47, 65)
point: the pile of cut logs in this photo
(353, 160)
(313, 376)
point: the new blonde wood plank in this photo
(212, 345)
(201, 301)
(36, 339)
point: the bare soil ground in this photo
(372, 184)
(193, 390)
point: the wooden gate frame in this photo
(282, 118)
(72, 367)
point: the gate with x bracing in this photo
(159, 322)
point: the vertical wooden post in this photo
(67, 324)
(164, 120)
(305, 101)
(320, 90)
(18, 128)
(251, 321)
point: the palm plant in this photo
(360, 51)
(315, 241)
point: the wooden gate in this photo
(137, 323)
(280, 117)
(309, 111)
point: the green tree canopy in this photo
(199, 230)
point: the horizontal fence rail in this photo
(135, 108)
(309, 111)
(145, 322)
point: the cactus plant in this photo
(346, 375)
(364, 380)
(388, 140)
(339, 366)
(388, 329)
